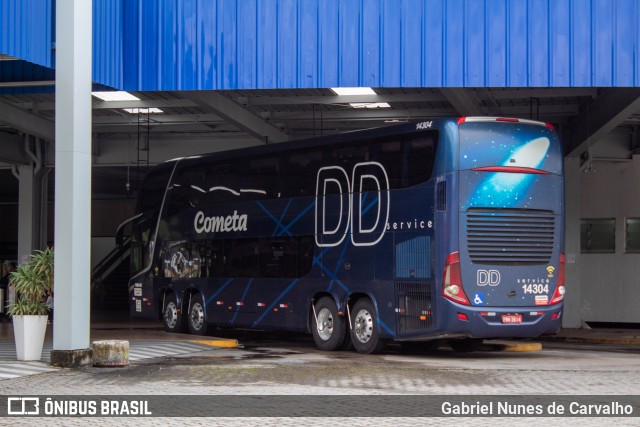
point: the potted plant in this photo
(32, 282)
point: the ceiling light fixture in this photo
(353, 91)
(370, 105)
(152, 110)
(115, 96)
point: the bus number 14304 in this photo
(535, 288)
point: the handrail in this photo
(112, 260)
(120, 230)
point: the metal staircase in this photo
(109, 279)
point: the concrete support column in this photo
(31, 206)
(44, 209)
(26, 233)
(572, 316)
(72, 184)
(26, 197)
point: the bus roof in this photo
(333, 139)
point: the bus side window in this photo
(272, 257)
(286, 256)
(306, 245)
(299, 174)
(261, 178)
(391, 155)
(348, 157)
(422, 153)
(177, 200)
(213, 258)
(140, 245)
(241, 258)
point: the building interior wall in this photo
(610, 281)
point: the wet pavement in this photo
(575, 362)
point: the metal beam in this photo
(111, 105)
(390, 113)
(338, 100)
(234, 113)
(462, 102)
(160, 128)
(28, 84)
(552, 92)
(26, 122)
(121, 153)
(12, 151)
(610, 109)
(144, 103)
(158, 119)
(278, 99)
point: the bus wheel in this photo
(196, 321)
(329, 329)
(171, 317)
(466, 345)
(364, 333)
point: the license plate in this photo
(512, 318)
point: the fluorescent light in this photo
(353, 91)
(115, 96)
(152, 110)
(370, 105)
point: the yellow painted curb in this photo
(514, 346)
(223, 343)
(523, 347)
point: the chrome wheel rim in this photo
(197, 316)
(324, 324)
(363, 326)
(171, 315)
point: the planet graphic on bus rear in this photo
(509, 189)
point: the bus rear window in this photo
(518, 145)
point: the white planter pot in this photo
(28, 332)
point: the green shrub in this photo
(32, 281)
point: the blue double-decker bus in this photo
(447, 229)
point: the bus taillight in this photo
(558, 295)
(452, 283)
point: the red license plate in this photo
(512, 318)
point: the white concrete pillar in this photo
(72, 237)
(572, 316)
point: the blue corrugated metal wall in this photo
(108, 41)
(247, 44)
(229, 44)
(26, 30)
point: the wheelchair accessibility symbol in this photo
(478, 299)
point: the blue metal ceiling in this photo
(255, 44)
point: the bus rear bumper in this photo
(494, 322)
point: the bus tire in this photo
(465, 345)
(329, 329)
(364, 331)
(172, 317)
(196, 317)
